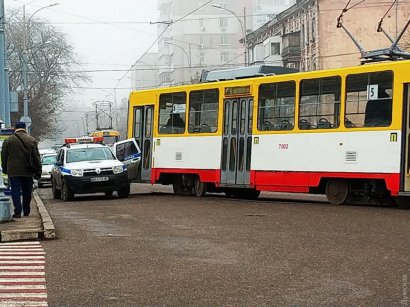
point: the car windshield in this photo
(48, 160)
(89, 154)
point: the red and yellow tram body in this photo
(343, 132)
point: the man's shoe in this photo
(16, 216)
(26, 214)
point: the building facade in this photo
(266, 10)
(197, 35)
(205, 39)
(144, 73)
(310, 40)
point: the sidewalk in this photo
(37, 226)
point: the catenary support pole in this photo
(2, 62)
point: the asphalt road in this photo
(159, 249)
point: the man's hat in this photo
(20, 125)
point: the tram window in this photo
(320, 103)
(243, 115)
(172, 108)
(224, 154)
(147, 154)
(226, 119)
(241, 160)
(203, 111)
(232, 155)
(276, 110)
(234, 127)
(137, 122)
(148, 122)
(369, 100)
(250, 117)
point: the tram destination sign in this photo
(238, 91)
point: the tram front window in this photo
(110, 140)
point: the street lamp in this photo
(243, 26)
(188, 57)
(25, 60)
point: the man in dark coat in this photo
(20, 168)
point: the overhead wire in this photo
(159, 37)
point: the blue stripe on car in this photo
(134, 156)
(66, 171)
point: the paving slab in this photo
(36, 226)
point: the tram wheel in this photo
(199, 187)
(177, 185)
(337, 191)
(253, 194)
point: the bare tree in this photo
(53, 69)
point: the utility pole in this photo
(242, 24)
(26, 25)
(397, 12)
(25, 60)
(4, 85)
(190, 63)
(244, 37)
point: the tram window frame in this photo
(315, 95)
(167, 101)
(137, 122)
(282, 117)
(369, 111)
(203, 111)
(148, 122)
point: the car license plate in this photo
(99, 179)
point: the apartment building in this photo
(193, 39)
(309, 39)
(196, 36)
(266, 10)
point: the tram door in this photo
(406, 135)
(237, 141)
(143, 134)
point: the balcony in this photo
(291, 52)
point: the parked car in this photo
(84, 166)
(46, 151)
(47, 163)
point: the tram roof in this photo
(245, 72)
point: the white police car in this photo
(84, 166)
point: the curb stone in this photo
(47, 232)
(48, 225)
(20, 235)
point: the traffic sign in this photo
(27, 120)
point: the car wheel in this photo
(56, 192)
(66, 193)
(124, 192)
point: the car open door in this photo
(129, 153)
